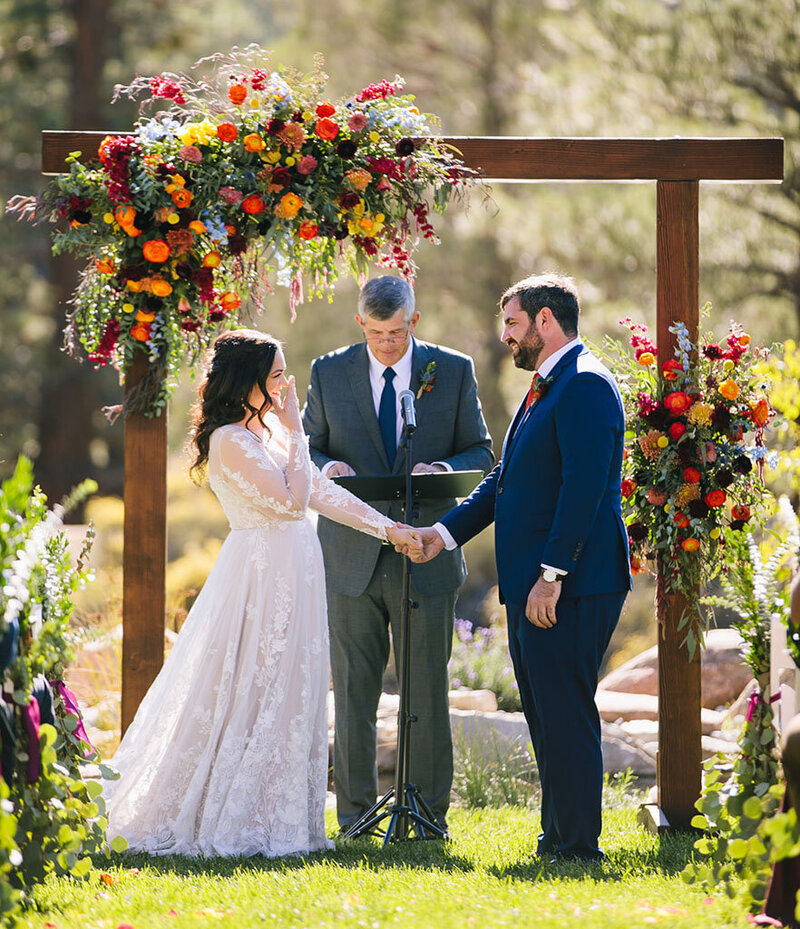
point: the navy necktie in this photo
(387, 416)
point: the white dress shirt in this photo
(402, 381)
(543, 370)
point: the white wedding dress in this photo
(228, 752)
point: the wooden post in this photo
(679, 731)
(144, 557)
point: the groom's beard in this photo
(527, 354)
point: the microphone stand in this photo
(409, 812)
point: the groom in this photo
(561, 546)
(353, 421)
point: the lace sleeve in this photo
(248, 465)
(338, 504)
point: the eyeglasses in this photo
(392, 338)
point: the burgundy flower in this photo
(237, 244)
(404, 147)
(712, 351)
(721, 417)
(742, 464)
(274, 126)
(737, 524)
(349, 200)
(724, 477)
(346, 148)
(698, 509)
(637, 532)
(281, 176)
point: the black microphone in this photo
(408, 411)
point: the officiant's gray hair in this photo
(383, 296)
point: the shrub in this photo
(480, 661)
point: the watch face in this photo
(549, 575)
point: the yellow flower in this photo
(729, 390)
(663, 442)
(272, 157)
(374, 137)
(108, 218)
(714, 534)
(700, 414)
(686, 493)
(289, 206)
(128, 307)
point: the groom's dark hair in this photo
(555, 291)
(383, 296)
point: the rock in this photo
(614, 706)
(465, 699)
(723, 672)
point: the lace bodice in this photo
(274, 482)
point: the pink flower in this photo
(357, 122)
(711, 452)
(656, 497)
(307, 164)
(383, 184)
(231, 196)
(191, 153)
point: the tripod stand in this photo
(402, 804)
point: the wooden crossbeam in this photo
(507, 158)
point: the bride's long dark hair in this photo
(237, 362)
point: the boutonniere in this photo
(427, 380)
(542, 387)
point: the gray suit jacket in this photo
(339, 417)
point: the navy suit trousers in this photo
(557, 672)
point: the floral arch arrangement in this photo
(249, 177)
(694, 456)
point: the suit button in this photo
(499, 490)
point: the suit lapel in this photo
(523, 416)
(362, 393)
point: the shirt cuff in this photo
(449, 542)
(560, 571)
(445, 465)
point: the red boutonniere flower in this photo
(427, 380)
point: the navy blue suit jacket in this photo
(554, 497)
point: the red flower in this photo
(677, 402)
(326, 109)
(237, 94)
(715, 498)
(227, 132)
(327, 129)
(253, 204)
(627, 487)
(308, 230)
(671, 369)
(681, 520)
(676, 430)
(691, 476)
(740, 512)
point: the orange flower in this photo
(327, 129)
(308, 230)
(230, 301)
(197, 227)
(237, 94)
(134, 286)
(156, 250)
(670, 370)
(729, 389)
(677, 402)
(681, 520)
(636, 565)
(744, 339)
(211, 259)
(227, 132)
(101, 150)
(254, 143)
(160, 287)
(253, 204)
(715, 498)
(125, 216)
(760, 412)
(325, 109)
(690, 545)
(141, 332)
(182, 198)
(289, 206)
(104, 266)
(741, 512)
(646, 358)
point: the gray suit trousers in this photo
(359, 637)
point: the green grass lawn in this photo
(483, 877)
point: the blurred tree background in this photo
(486, 67)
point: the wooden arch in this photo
(676, 166)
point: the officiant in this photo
(353, 420)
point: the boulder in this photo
(723, 672)
(614, 706)
(465, 699)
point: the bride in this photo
(228, 752)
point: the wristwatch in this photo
(549, 575)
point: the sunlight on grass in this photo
(484, 877)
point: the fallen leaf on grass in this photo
(108, 879)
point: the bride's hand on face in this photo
(287, 408)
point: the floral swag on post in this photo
(250, 176)
(694, 457)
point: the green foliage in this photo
(480, 661)
(491, 772)
(51, 825)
